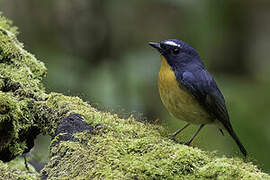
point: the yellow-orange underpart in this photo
(178, 101)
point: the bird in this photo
(189, 92)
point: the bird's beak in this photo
(155, 45)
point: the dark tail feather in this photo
(236, 139)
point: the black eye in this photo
(163, 46)
(176, 51)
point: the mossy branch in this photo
(86, 143)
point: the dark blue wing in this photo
(204, 88)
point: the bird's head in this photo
(175, 51)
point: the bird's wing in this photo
(204, 88)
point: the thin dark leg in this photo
(191, 139)
(221, 132)
(179, 130)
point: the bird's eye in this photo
(176, 50)
(163, 46)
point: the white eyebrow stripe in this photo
(172, 43)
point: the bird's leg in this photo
(221, 132)
(191, 139)
(178, 131)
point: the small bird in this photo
(188, 91)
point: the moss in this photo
(20, 84)
(127, 149)
(16, 170)
(16, 64)
(235, 168)
(9, 111)
(7, 25)
(19, 163)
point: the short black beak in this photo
(155, 45)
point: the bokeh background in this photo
(98, 50)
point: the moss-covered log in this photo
(86, 143)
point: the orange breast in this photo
(179, 102)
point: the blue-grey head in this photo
(176, 51)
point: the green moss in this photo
(20, 84)
(9, 111)
(15, 170)
(127, 149)
(234, 168)
(7, 25)
(16, 64)
(19, 163)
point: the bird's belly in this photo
(179, 102)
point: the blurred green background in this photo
(98, 50)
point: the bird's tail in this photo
(236, 139)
